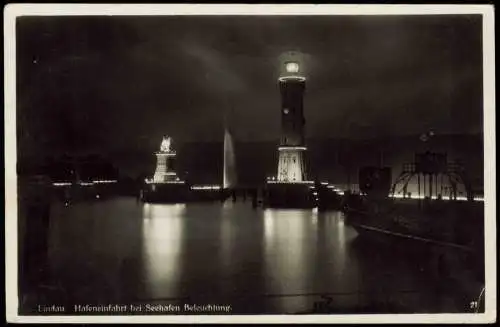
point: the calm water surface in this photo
(256, 260)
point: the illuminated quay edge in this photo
(272, 180)
(421, 197)
(98, 181)
(151, 181)
(104, 181)
(206, 187)
(62, 184)
(289, 182)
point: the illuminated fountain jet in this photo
(229, 177)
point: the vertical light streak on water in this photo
(341, 235)
(314, 219)
(345, 267)
(288, 247)
(226, 235)
(162, 235)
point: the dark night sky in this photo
(110, 83)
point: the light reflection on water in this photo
(283, 260)
(162, 234)
(289, 240)
(213, 252)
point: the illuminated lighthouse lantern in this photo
(165, 158)
(291, 149)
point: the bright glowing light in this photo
(205, 187)
(166, 154)
(324, 183)
(97, 196)
(401, 196)
(85, 183)
(62, 184)
(290, 182)
(292, 67)
(165, 144)
(291, 148)
(421, 197)
(335, 189)
(286, 78)
(150, 181)
(290, 164)
(105, 181)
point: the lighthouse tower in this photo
(165, 159)
(291, 150)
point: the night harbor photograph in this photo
(227, 163)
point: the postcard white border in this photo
(12, 11)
